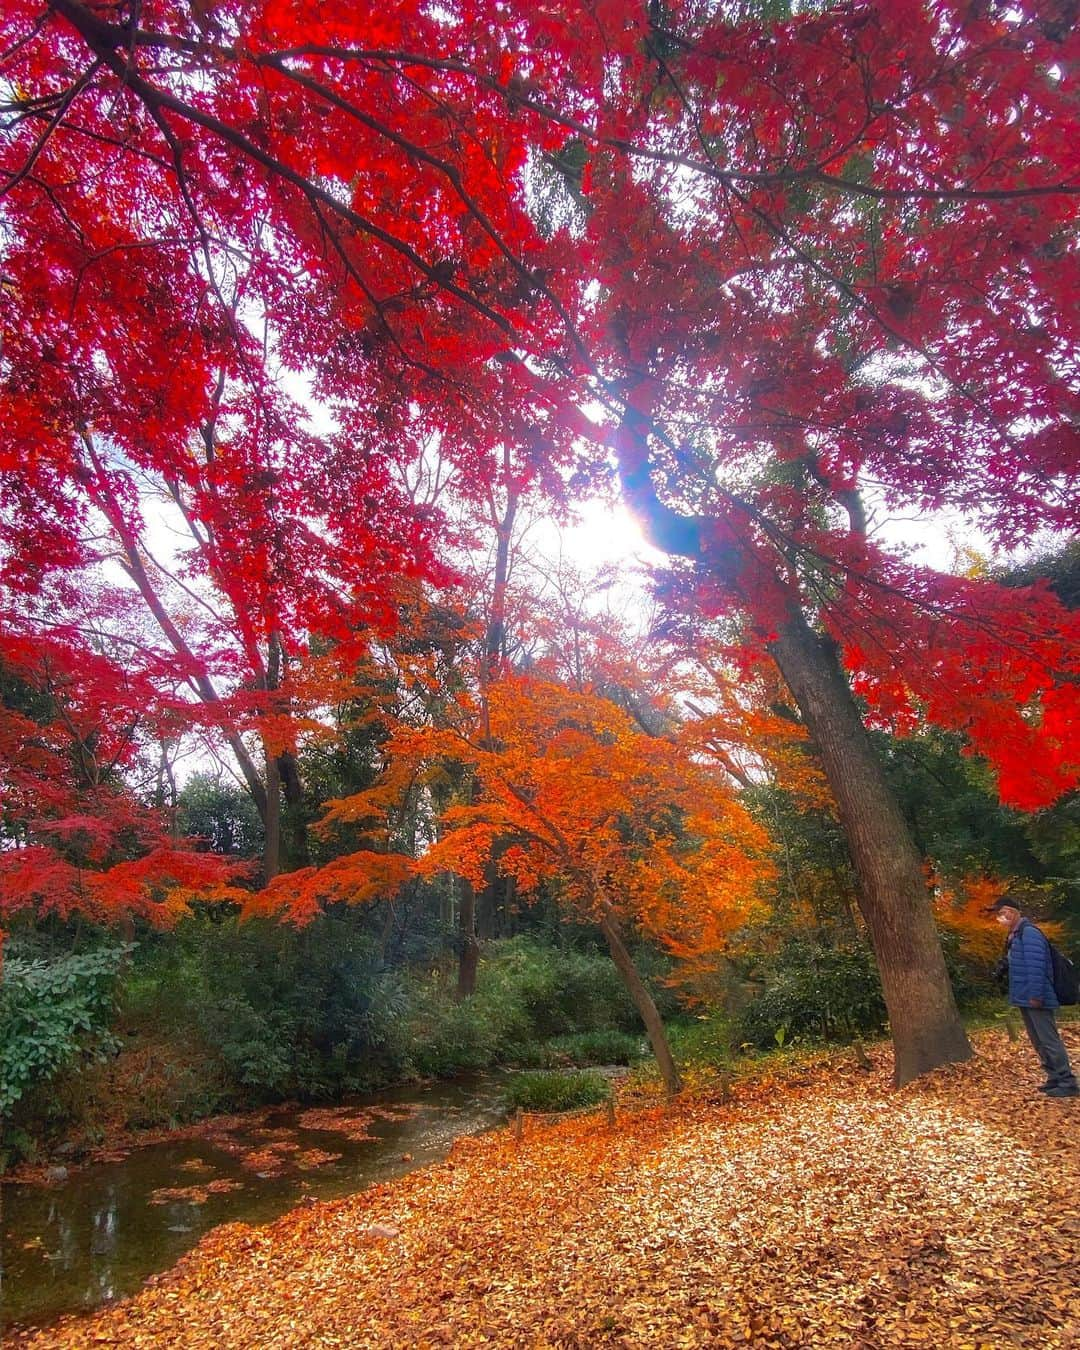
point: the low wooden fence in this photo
(517, 1121)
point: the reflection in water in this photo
(99, 1235)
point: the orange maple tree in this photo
(964, 910)
(624, 829)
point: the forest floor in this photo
(819, 1207)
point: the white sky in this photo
(609, 534)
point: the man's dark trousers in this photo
(1042, 1029)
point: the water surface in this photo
(101, 1233)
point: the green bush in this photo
(828, 992)
(971, 980)
(709, 1040)
(52, 1012)
(594, 1047)
(449, 1038)
(308, 1012)
(219, 1015)
(314, 1012)
(534, 1005)
(556, 1091)
(554, 991)
(151, 1083)
(833, 993)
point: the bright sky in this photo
(609, 534)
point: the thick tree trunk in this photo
(925, 1024)
(643, 1001)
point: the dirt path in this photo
(819, 1210)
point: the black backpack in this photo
(1066, 985)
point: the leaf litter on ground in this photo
(817, 1208)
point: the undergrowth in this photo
(548, 1092)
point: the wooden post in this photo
(725, 1085)
(519, 1125)
(862, 1059)
(611, 1110)
(1012, 1025)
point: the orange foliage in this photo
(602, 812)
(963, 911)
(747, 725)
(357, 878)
(568, 793)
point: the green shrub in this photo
(709, 1040)
(535, 1005)
(594, 1047)
(219, 1014)
(556, 1091)
(972, 981)
(828, 992)
(314, 1013)
(52, 1012)
(550, 991)
(450, 1038)
(151, 1083)
(309, 1012)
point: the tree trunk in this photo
(446, 904)
(643, 1001)
(494, 654)
(470, 947)
(275, 669)
(272, 820)
(925, 1024)
(387, 933)
(296, 850)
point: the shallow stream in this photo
(104, 1230)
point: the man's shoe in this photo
(1062, 1091)
(1047, 1087)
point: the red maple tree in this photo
(77, 840)
(791, 269)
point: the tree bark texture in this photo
(925, 1024)
(643, 1001)
(296, 831)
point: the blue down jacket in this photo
(1031, 974)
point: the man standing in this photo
(1031, 989)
